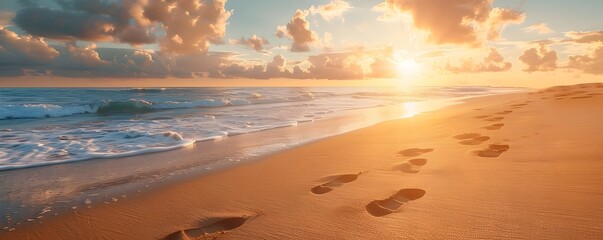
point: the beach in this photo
(513, 166)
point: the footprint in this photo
(504, 112)
(471, 138)
(494, 119)
(481, 116)
(336, 182)
(466, 136)
(494, 126)
(412, 166)
(209, 227)
(580, 97)
(493, 151)
(394, 203)
(414, 152)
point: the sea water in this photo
(49, 126)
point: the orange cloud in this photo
(453, 21)
(17, 51)
(6, 18)
(499, 17)
(334, 9)
(254, 42)
(540, 28)
(585, 37)
(494, 62)
(541, 59)
(190, 26)
(591, 63)
(298, 29)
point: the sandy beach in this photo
(514, 166)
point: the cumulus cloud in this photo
(16, 51)
(298, 29)
(76, 57)
(499, 17)
(494, 62)
(254, 42)
(356, 64)
(277, 68)
(332, 10)
(540, 28)
(591, 63)
(189, 26)
(335, 66)
(26, 55)
(541, 59)
(6, 18)
(585, 37)
(453, 21)
(59, 24)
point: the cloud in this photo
(540, 28)
(19, 51)
(453, 21)
(591, 63)
(6, 18)
(499, 17)
(80, 57)
(277, 68)
(494, 62)
(541, 59)
(332, 10)
(585, 37)
(66, 25)
(333, 66)
(298, 29)
(189, 26)
(27, 55)
(254, 42)
(338, 66)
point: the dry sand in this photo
(517, 166)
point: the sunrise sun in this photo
(408, 67)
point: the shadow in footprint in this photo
(336, 182)
(209, 227)
(471, 138)
(482, 116)
(581, 97)
(493, 151)
(414, 152)
(494, 126)
(494, 119)
(504, 112)
(412, 166)
(394, 203)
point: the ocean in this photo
(49, 126)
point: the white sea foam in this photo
(41, 111)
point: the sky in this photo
(140, 43)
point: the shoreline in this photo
(231, 196)
(49, 192)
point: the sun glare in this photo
(408, 67)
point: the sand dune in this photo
(534, 174)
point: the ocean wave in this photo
(144, 90)
(41, 111)
(129, 106)
(140, 106)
